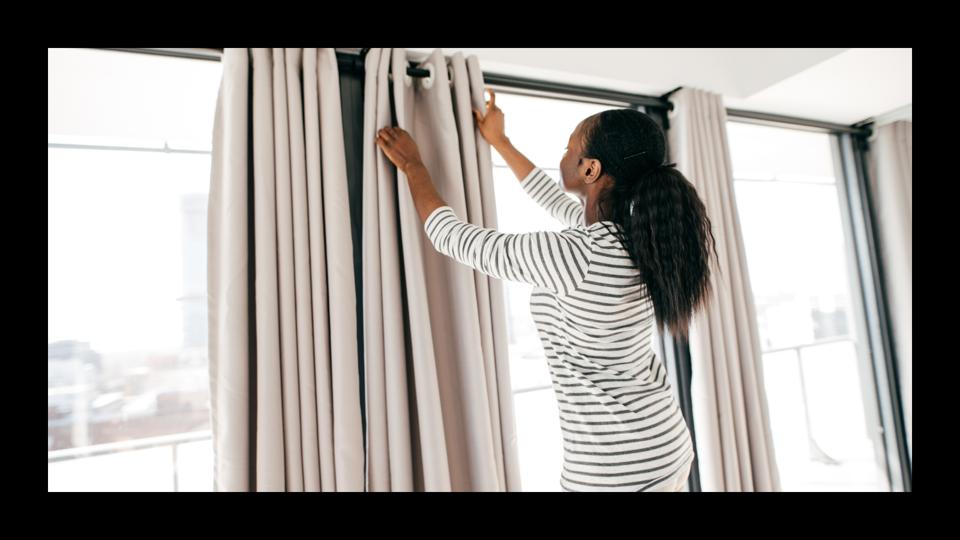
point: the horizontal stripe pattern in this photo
(552, 260)
(621, 425)
(545, 191)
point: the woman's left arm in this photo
(557, 261)
(424, 193)
(554, 260)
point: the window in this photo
(816, 360)
(128, 388)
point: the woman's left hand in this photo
(399, 147)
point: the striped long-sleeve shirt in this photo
(622, 428)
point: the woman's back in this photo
(622, 428)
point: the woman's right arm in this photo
(491, 127)
(519, 164)
(540, 186)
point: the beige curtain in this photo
(732, 423)
(891, 179)
(284, 382)
(439, 404)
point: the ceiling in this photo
(838, 85)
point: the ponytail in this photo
(665, 227)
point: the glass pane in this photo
(127, 317)
(110, 96)
(843, 456)
(798, 258)
(796, 253)
(819, 420)
(773, 153)
(539, 440)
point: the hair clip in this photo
(632, 155)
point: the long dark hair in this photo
(665, 223)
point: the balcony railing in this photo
(118, 448)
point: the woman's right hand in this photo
(491, 124)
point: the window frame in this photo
(853, 150)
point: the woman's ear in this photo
(594, 170)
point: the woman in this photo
(636, 251)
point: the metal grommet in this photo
(428, 80)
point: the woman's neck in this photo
(591, 211)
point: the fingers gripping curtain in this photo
(439, 404)
(284, 383)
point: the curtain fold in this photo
(284, 385)
(891, 179)
(731, 418)
(439, 400)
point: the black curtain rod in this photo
(354, 61)
(344, 59)
(411, 71)
(548, 86)
(861, 129)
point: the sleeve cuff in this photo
(433, 217)
(529, 177)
